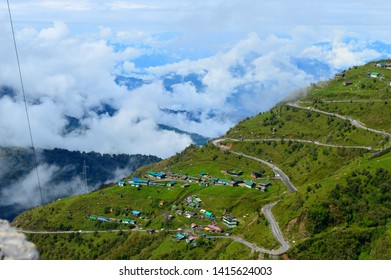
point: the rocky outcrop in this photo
(14, 246)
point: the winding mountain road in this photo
(85, 231)
(351, 120)
(69, 231)
(349, 101)
(284, 178)
(303, 141)
(266, 210)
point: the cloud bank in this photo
(200, 69)
(21, 195)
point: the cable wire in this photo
(25, 101)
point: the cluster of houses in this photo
(193, 201)
(148, 180)
(175, 176)
(348, 83)
(384, 64)
(187, 214)
(189, 238)
(240, 182)
(106, 220)
(370, 74)
(190, 214)
(136, 182)
(205, 179)
(237, 182)
(342, 75)
(229, 220)
(134, 213)
(213, 228)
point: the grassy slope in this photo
(134, 245)
(294, 123)
(242, 202)
(324, 218)
(374, 114)
(351, 215)
(303, 163)
(362, 87)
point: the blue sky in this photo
(246, 56)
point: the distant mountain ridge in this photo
(57, 168)
(197, 139)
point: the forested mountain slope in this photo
(60, 173)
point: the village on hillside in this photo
(202, 222)
(170, 179)
(384, 64)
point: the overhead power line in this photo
(25, 101)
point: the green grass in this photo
(303, 163)
(294, 123)
(381, 246)
(258, 230)
(362, 87)
(292, 211)
(134, 245)
(210, 159)
(345, 244)
(374, 114)
(56, 215)
(238, 201)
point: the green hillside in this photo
(17, 163)
(332, 145)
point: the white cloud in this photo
(341, 53)
(69, 76)
(129, 67)
(271, 74)
(245, 66)
(105, 32)
(26, 194)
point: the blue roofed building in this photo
(135, 212)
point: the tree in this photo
(107, 209)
